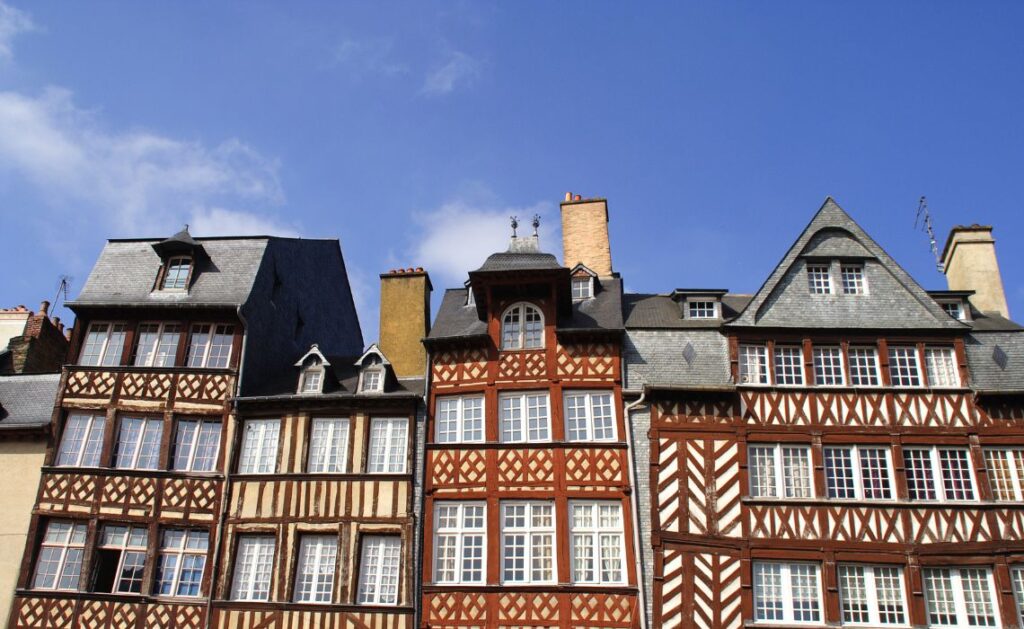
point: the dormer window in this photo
(312, 381)
(701, 309)
(819, 279)
(313, 372)
(176, 273)
(522, 327)
(853, 279)
(372, 381)
(582, 288)
(953, 309)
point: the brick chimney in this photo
(585, 234)
(405, 319)
(969, 262)
(39, 346)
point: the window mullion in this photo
(958, 596)
(858, 473)
(787, 594)
(871, 588)
(780, 472)
(938, 475)
(1011, 460)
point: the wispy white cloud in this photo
(368, 57)
(13, 22)
(218, 221)
(457, 70)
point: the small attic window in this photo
(312, 372)
(176, 272)
(701, 309)
(582, 288)
(371, 378)
(954, 309)
(312, 381)
(470, 299)
(819, 279)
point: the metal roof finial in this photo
(536, 223)
(515, 225)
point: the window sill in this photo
(113, 471)
(879, 504)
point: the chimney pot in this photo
(579, 197)
(419, 269)
(44, 307)
(568, 196)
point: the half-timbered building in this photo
(840, 448)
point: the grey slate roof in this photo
(456, 319)
(513, 261)
(26, 402)
(658, 358)
(661, 311)
(983, 350)
(342, 382)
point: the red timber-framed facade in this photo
(847, 470)
(527, 494)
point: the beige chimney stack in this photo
(969, 262)
(585, 234)
(405, 319)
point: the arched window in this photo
(522, 327)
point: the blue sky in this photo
(412, 131)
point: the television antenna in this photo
(63, 282)
(924, 219)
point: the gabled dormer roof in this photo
(576, 270)
(893, 300)
(373, 350)
(180, 243)
(313, 351)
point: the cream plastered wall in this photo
(20, 462)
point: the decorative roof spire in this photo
(515, 225)
(536, 224)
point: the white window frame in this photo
(828, 371)
(128, 453)
(871, 574)
(587, 291)
(124, 546)
(109, 354)
(380, 570)
(941, 367)
(328, 436)
(957, 306)
(72, 541)
(588, 421)
(1014, 461)
(253, 575)
(857, 471)
(531, 534)
(178, 278)
(381, 458)
(853, 278)
(699, 309)
(937, 473)
(754, 366)
(194, 546)
(1017, 576)
(818, 284)
(899, 354)
(260, 439)
(786, 590)
(210, 350)
(312, 381)
(788, 373)
(371, 380)
(460, 418)
(597, 533)
(192, 447)
(518, 337)
(781, 480)
(168, 335)
(519, 424)
(856, 354)
(458, 535)
(959, 600)
(89, 450)
(316, 565)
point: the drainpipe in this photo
(417, 521)
(634, 499)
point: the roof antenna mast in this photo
(62, 289)
(924, 218)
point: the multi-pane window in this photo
(753, 364)
(254, 564)
(938, 473)
(157, 344)
(460, 419)
(388, 445)
(581, 288)
(318, 555)
(179, 568)
(780, 471)
(701, 309)
(328, 445)
(196, 445)
(904, 370)
(819, 279)
(259, 446)
(853, 279)
(860, 472)
(959, 597)
(941, 366)
(371, 381)
(787, 592)
(871, 595)
(120, 559)
(863, 366)
(789, 365)
(59, 566)
(176, 273)
(210, 345)
(527, 542)
(138, 443)
(460, 540)
(828, 366)
(522, 327)
(82, 441)
(379, 569)
(589, 416)
(312, 381)
(598, 542)
(104, 344)
(953, 309)
(1006, 473)
(1017, 575)
(524, 417)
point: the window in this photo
(953, 481)
(819, 280)
(941, 366)
(871, 595)
(121, 559)
(104, 344)
(378, 570)
(157, 344)
(753, 364)
(582, 288)
(328, 446)
(388, 444)
(1017, 574)
(253, 565)
(522, 327)
(527, 542)
(780, 471)
(318, 555)
(903, 368)
(210, 345)
(589, 416)
(179, 569)
(853, 279)
(82, 441)
(138, 443)
(598, 548)
(312, 380)
(954, 309)
(1006, 473)
(524, 417)
(959, 597)
(60, 556)
(371, 381)
(787, 592)
(259, 446)
(176, 273)
(459, 542)
(863, 367)
(701, 309)
(196, 445)
(858, 472)
(828, 366)
(789, 365)
(460, 419)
